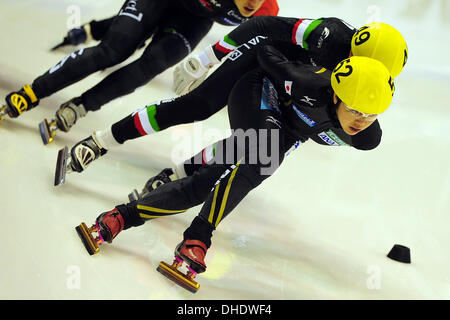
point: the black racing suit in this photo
(326, 42)
(176, 27)
(283, 104)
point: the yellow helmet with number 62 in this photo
(382, 42)
(363, 84)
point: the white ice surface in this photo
(320, 228)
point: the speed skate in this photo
(3, 112)
(90, 242)
(184, 280)
(48, 130)
(63, 166)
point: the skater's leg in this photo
(145, 121)
(126, 32)
(166, 49)
(261, 157)
(169, 46)
(197, 105)
(169, 199)
(233, 185)
(200, 104)
(179, 195)
(237, 180)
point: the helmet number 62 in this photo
(338, 75)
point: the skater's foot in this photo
(69, 113)
(20, 101)
(84, 152)
(111, 223)
(193, 252)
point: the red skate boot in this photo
(107, 226)
(192, 252)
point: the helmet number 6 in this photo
(362, 37)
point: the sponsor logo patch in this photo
(324, 35)
(308, 100)
(327, 139)
(310, 122)
(235, 55)
(331, 138)
(274, 121)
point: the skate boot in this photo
(76, 36)
(107, 226)
(193, 253)
(18, 102)
(165, 176)
(81, 155)
(65, 118)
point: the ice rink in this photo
(320, 228)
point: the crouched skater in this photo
(275, 107)
(299, 39)
(175, 28)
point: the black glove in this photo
(74, 37)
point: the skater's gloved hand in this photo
(76, 36)
(188, 75)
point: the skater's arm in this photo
(275, 28)
(326, 39)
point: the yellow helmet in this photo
(382, 42)
(363, 84)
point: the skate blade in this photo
(47, 130)
(61, 166)
(3, 112)
(88, 240)
(178, 277)
(133, 196)
(59, 45)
